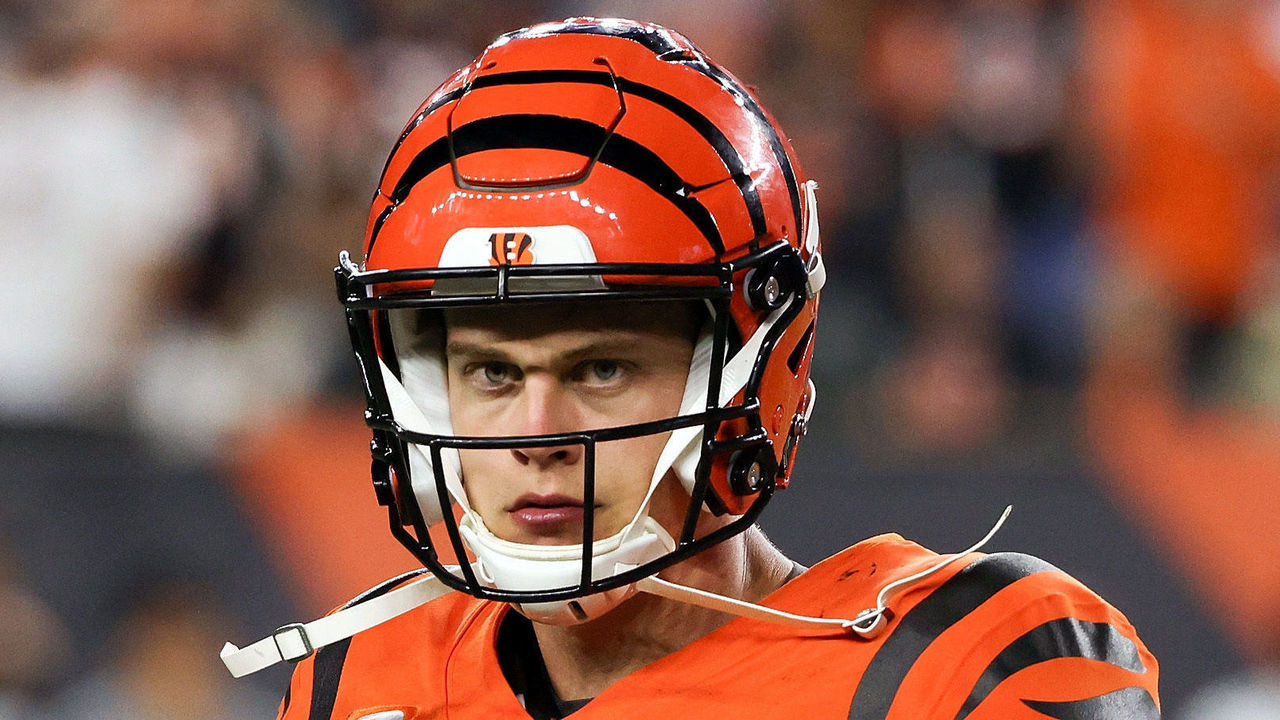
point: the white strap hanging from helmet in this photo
(297, 641)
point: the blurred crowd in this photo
(1053, 231)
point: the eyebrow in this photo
(485, 353)
(468, 350)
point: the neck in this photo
(583, 660)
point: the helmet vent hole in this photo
(793, 360)
(576, 609)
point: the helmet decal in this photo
(512, 248)
(508, 246)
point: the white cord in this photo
(871, 622)
(867, 624)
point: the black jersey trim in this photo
(1131, 703)
(384, 587)
(1065, 637)
(918, 628)
(327, 673)
(553, 132)
(525, 671)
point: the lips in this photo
(546, 515)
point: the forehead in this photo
(532, 321)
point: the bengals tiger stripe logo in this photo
(511, 248)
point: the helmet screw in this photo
(746, 474)
(772, 291)
(764, 288)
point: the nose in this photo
(546, 410)
(543, 457)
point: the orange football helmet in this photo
(590, 158)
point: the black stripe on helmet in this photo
(660, 42)
(415, 122)
(1065, 637)
(718, 141)
(775, 143)
(553, 132)
(944, 607)
(1131, 703)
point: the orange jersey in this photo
(991, 636)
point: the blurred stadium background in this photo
(1052, 234)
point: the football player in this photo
(585, 313)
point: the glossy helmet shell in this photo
(628, 133)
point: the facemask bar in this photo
(588, 440)
(356, 290)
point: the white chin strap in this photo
(505, 565)
(297, 641)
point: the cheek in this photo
(670, 504)
(624, 469)
(462, 414)
(479, 471)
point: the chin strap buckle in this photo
(292, 642)
(298, 641)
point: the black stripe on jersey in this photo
(1065, 637)
(699, 122)
(660, 43)
(553, 132)
(1131, 703)
(945, 606)
(284, 704)
(327, 672)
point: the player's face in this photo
(554, 369)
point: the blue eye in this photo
(497, 373)
(604, 370)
